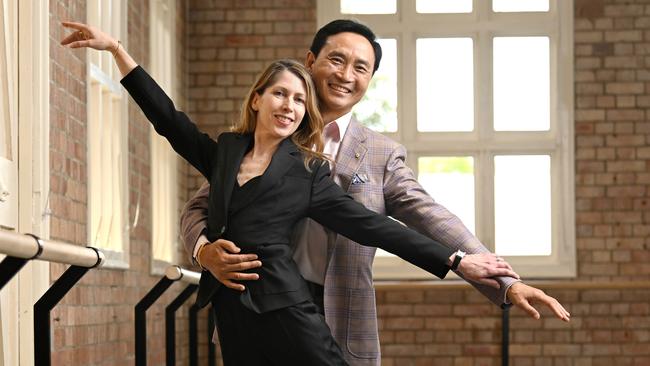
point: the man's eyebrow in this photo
(364, 62)
(337, 53)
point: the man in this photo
(370, 167)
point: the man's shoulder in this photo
(375, 139)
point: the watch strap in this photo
(459, 256)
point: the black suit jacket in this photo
(287, 192)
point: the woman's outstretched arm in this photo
(195, 147)
(336, 210)
(87, 36)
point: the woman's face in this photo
(281, 107)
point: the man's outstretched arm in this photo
(408, 202)
(220, 257)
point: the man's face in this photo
(341, 72)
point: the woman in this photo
(264, 177)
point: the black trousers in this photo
(296, 335)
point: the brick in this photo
(588, 37)
(405, 297)
(586, 63)
(395, 310)
(590, 115)
(443, 349)
(589, 88)
(625, 101)
(605, 101)
(623, 62)
(624, 88)
(561, 350)
(443, 323)
(626, 166)
(624, 140)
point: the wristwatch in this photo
(459, 255)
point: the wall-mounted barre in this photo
(21, 248)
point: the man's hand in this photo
(222, 260)
(481, 268)
(523, 296)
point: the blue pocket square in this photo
(359, 179)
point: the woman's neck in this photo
(264, 146)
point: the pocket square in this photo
(359, 179)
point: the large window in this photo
(107, 140)
(481, 94)
(164, 161)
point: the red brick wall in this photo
(228, 42)
(612, 136)
(94, 323)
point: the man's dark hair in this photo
(341, 26)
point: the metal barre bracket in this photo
(39, 242)
(172, 274)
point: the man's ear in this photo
(309, 61)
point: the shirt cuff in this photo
(202, 240)
(505, 292)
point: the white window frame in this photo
(164, 161)
(108, 161)
(406, 25)
(9, 114)
(31, 103)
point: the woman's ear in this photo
(255, 102)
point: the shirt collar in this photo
(342, 122)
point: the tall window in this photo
(8, 115)
(107, 140)
(9, 325)
(481, 94)
(164, 177)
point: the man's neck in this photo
(330, 116)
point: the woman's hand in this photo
(91, 37)
(87, 36)
(482, 267)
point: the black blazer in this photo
(287, 192)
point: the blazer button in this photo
(222, 230)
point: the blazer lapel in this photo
(351, 152)
(234, 156)
(282, 160)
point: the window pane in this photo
(522, 194)
(519, 5)
(450, 181)
(521, 84)
(368, 7)
(378, 108)
(445, 84)
(443, 6)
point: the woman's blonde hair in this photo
(308, 137)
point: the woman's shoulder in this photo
(227, 136)
(319, 166)
(230, 136)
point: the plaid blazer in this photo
(391, 189)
